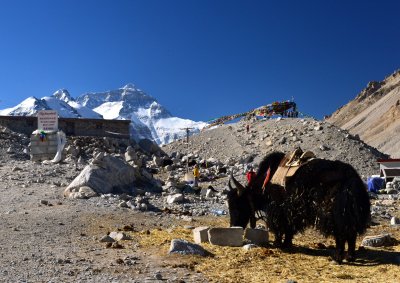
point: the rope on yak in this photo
(266, 180)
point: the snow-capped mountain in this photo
(28, 107)
(149, 118)
(60, 101)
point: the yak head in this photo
(244, 201)
(239, 203)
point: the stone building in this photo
(71, 126)
(389, 168)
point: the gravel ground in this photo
(47, 238)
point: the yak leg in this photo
(278, 239)
(252, 221)
(339, 252)
(287, 243)
(351, 243)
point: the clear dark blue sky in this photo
(200, 58)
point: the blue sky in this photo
(201, 59)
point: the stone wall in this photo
(71, 126)
(43, 149)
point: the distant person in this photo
(247, 128)
(196, 174)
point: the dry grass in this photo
(305, 263)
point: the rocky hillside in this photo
(231, 144)
(374, 115)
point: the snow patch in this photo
(110, 110)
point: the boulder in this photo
(119, 236)
(174, 198)
(378, 240)
(106, 174)
(106, 239)
(149, 146)
(130, 154)
(87, 192)
(179, 246)
(157, 161)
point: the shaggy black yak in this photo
(328, 195)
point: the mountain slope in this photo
(374, 115)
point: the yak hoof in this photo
(351, 258)
(287, 245)
(336, 260)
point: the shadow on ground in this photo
(365, 256)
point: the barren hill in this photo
(231, 144)
(374, 115)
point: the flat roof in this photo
(67, 119)
(387, 160)
(391, 172)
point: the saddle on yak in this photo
(290, 164)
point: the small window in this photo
(99, 125)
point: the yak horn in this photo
(229, 185)
(240, 188)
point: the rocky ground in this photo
(47, 237)
(231, 144)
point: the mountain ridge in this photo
(374, 115)
(149, 119)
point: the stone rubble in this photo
(158, 180)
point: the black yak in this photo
(328, 195)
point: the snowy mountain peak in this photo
(149, 119)
(130, 87)
(63, 94)
(28, 107)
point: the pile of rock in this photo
(393, 187)
(13, 145)
(133, 173)
(322, 138)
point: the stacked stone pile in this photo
(44, 148)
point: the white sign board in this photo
(47, 120)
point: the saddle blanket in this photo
(290, 164)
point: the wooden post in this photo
(187, 129)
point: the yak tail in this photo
(353, 206)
